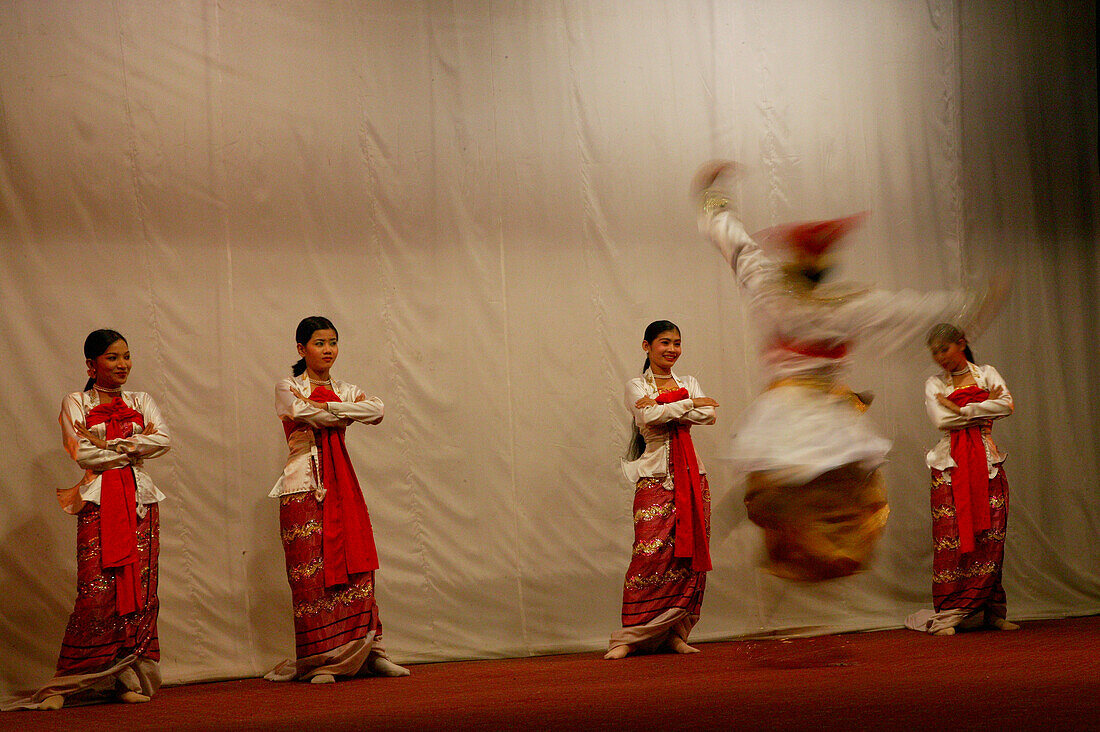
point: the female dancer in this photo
(969, 490)
(663, 591)
(326, 530)
(110, 643)
(811, 460)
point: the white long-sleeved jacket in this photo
(653, 423)
(302, 471)
(980, 413)
(153, 441)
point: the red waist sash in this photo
(813, 350)
(118, 508)
(970, 478)
(691, 530)
(348, 546)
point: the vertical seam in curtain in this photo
(233, 493)
(519, 544)
(948, 32)
(401, 384)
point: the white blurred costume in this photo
(810, 456)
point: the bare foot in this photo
(132, 697)
(679, 645)
(944, 631)
(618, 652)
(323, 679)
(381, 666)
(52, 703)
(1002, 624)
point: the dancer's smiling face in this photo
(950, 355)
(320, 351)
(664, 349)
(112, 367)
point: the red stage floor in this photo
(1043, 677)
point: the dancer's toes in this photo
(944, 631)
(1002, 624)
(679, 645)
(382, 666)
(618, 652)
(52, 703)
(132, 697)
(323, 679)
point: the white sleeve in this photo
(657, 413)
(697, 415)
(752, 267)
(895, 319)
(80, 449)
(154, 440)
(360, 409)
(942, 417)
(1002, 406)
(293, 409)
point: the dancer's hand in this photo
(704, 402)
(949, 404)
(645, 402)
(315, 404)
(996, 392)
(1000, 284)
(90, 436)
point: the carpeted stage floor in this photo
(1043, 677)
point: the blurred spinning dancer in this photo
(811, 460)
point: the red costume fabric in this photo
(813, 238)
(970, 477)
(691, 514)
(348, 537)
(813, 350)
(118, 507)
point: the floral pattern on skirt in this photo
(662, 595)
(325, 618)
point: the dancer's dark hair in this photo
(948, 333)
(96, 344)
(654, 329)
(305, 331)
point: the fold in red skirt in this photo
(325, 618)
(970, 581)
(656, 580)
(96, 635)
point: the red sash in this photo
(348, 537)
(970, 479)
(118, 508)
(691, 531)
(813, 350)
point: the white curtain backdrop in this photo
(489, 199)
